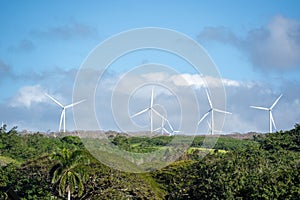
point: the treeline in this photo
(32, 166)
(269, 170)
(27, 163)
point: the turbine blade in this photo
(141, 112)
(272, 120)
(275, 102)
(204, 116)
(74, 104)
(156, 112)
(208, 124)
(165, 130)
(208, 97)
(53, 99)
(163, 122)
(260, 108)
(151, 103)
(157, 129)
(171, 127)
(222, 111)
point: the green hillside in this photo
(264, 167)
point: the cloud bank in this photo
(275, 45)
(30, 109)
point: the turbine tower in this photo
(63, 112)
(211, 110)
(209, 128)
(271, 119)
(151, 110)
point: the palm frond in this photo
(68, 173)
(63, 184)
(55, 172)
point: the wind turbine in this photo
(271, 119)
(151, 110)
(211, 110)
(173, 132)
(63, 112)
(162, 127)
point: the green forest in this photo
(37, 166)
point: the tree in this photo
(67, 173)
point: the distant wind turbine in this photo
(211, 110)
(151, 110)
(271, 119)
(63, 112)
(173, 132)
(162, 127)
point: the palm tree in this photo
(66, 174)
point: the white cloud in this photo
(28, 104)
(192, 80)
(275, 45)
(28, 95)
(198, 81)
(188, 80)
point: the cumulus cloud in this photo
(31, 107)
(240, 95)
(275, 45)
(68, 31)
(198, 81)
(28, 95)
(191, 80)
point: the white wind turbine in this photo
(271, 119)
(63, 112)
(151, 110)
(162, 127)
(211, 110)
(173, 132)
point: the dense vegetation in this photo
(36, 166)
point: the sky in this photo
(255, 46)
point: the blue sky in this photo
(255, 44)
